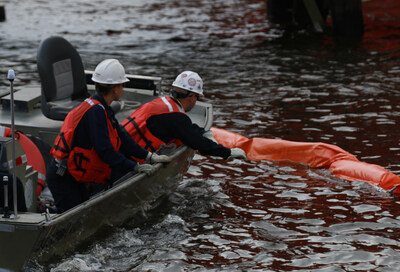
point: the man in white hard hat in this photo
(164, 122)
(86, 152)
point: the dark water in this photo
(263, 82)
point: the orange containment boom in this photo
(340, 162)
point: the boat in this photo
(39, 113)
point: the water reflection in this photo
(287, 218)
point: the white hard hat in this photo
(190, 81)
(109, 71)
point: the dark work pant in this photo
(67, 192)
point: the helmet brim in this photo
(110, 82)
(187, 89)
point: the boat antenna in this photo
(11, 77)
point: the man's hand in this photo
(237, 153)
(154, 158)
(146, 168)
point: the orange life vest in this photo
(83, 164)
(136, 123)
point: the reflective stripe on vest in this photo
(62, 144)
(135, 124)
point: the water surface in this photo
(263, 82)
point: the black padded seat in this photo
(62, 77)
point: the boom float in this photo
(321, 155)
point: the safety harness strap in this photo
(66, 150)
(78, 158)
(147, 141)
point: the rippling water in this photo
(263, 82)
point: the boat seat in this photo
(62, 76)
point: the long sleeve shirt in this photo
(92, 131)
(179, 126)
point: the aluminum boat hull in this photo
(42, 237)
(31, 235)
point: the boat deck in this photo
(30, 120)
(26, 218)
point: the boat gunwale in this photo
(115, 189)
(54, 218)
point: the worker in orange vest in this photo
(88, 150)
(163, 122)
